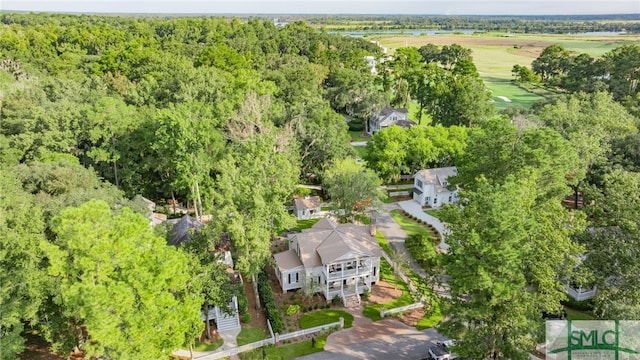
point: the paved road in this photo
(385, 339)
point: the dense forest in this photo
(516, 24)
(228, 116)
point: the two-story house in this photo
(388, 117)
(330, 258)
(431, 187)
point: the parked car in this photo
(442, 351)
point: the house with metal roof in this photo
(431, 187)
(333, 259)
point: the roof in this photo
(287, 260)
(437, 177)
(387, 111)
(328, 241)
(181, 229)
(405, 123)
(307, 202)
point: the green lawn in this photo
(200, 346)
(250, 334)
(305, 224)
(410, 226)
(433, 213)
(322, 317)
(382, 241)
(372, 311)
(513, 92)
(430, 320)
(361, 151)
(287, 351)
(573, 314)
(358, 135)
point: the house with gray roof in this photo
(307, 207)
(431, 187)
(389, 116)
(333, 259)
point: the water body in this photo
(600, 33)
(411, 32)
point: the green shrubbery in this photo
(422, 250)
(269, 302)
(293, 309)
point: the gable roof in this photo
(312, 202)
(386, 112)
(287, 260)
(437, 176)
(181, 229)
(328, 241)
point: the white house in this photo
(371, 63)
(388, 117)
(333, 259)
(307, 207)
(431, 187)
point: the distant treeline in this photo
(518, 24)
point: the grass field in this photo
(322, 317)
(495, 54)
(250, 334)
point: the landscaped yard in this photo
(361, 151)
(323, 317)
(433, 212)
(286, 351)
(305, 224)
(359, 135)
(410, 226)
(250, 334)
(372, 311)
(201, 346)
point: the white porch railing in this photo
(580, 294)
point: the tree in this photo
(254, 181)
(523, 74)
(387, 152)
(124, 292)
(21, 259)
(507, 255)
(499, 149)
(552, 64)
(405, 61)
(613, 245)
(454, 54)
(188, 143)
(351, 187)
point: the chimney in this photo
(372, 227)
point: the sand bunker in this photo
(504, 98)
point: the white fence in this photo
(384, 311)
(220, 354)
(338, 324)
(402, 276)
(398, 193)
(581, 294)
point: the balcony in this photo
(347, 273)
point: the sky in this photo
(418, 7)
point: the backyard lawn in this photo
(305, 224)
(323, 317)
(250, 334)
(286, 352)
(357, 136)
(433, 213)
(361, 151)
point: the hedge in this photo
(268, 301)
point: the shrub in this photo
(269, 302)
(365, 294)
(356, 125)
(336, 300)
(243, 303)
(246, 318)
(293, 309)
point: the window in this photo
(435, 200)
(450, 198)
(419, 184)
(375, 271)
(297, 279)
(427, 199)
(289, 276)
